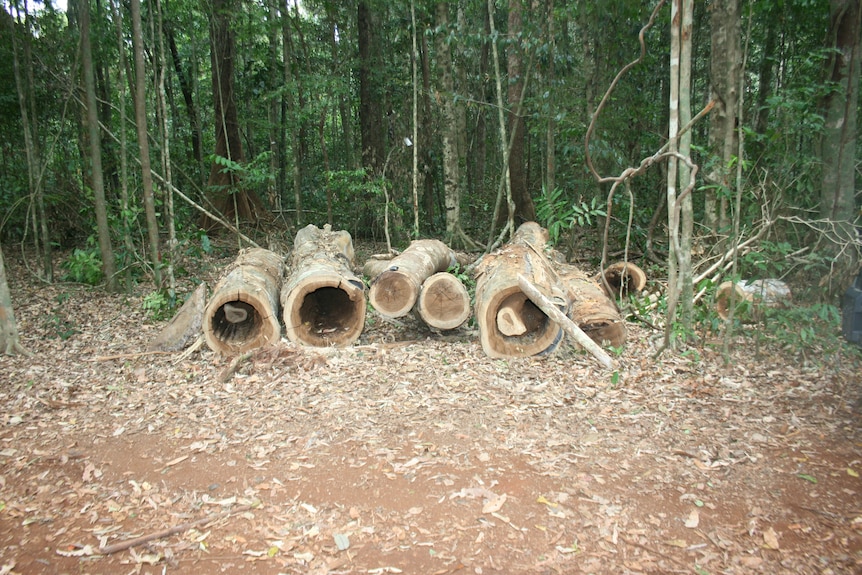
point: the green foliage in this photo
(158, 305)
(559, 214)
(84, 266)
(801, 328)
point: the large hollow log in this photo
(622, 278)
(510, 324)
(394, 291)
(323, 300)
(592, 309)
(444, 302)
(242, 313)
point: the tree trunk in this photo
(291, 116)
(9, 343)
(242, 313)
(106, 250)
(143, 141)
(525, 211)
(838, 150)
(550, 133)
(687, 210)
(394, 291)
(449, 128)
(370, 95)
(725, 62)
(188, 98)
(323, 301)
(229, 195)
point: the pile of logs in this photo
(526, 299)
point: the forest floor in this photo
(414, 453)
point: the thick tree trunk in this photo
(241, 204)
(395, 290)
(725, 64)
(525, 211)
(242, 313)
(838, 151)
(323, 300)
(370, 97)
(9, 343)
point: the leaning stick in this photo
(122, 546)
(565, 323)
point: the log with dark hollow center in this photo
(242, 313)
(510, 325)
(323, 301)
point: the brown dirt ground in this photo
(415, 453)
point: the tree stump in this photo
(395, 290)
(242, 313)
(323, 300)
(510, 325)
(443, 302)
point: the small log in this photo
(443, 301)
(564, 322)
(510, 324)
(592, 309)
(752, 297)
(394, 292)
(622, 277)
(323, 300)
(185, 324)
(242, 313)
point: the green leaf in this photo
(806, 477)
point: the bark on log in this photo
(622, 277)
(323, 300)
(510, 325)
(443, 302)
(752, 297)
(242, 313)
(591, 307)
(394, 291)
(184, 325)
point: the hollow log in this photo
(622, 277)
(751, 298)
(394, 292)
(323, 300)
(592, 309)
(443, 301)
(242, 313)
(510, 325)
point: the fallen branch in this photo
(123, 545)
(565, 323)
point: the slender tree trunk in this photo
(428, 190)
(167, 168)
(27, 109)
(291, 114)
(370, 97)
(143, 142)
(840, 106)
(273, 80)
(188, 97)
(525, 211)
(125, 213)
(550, 153)
(414, 61)
(687, 211)
(109, 268)
(672, 171)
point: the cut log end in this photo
(325, 312)
(443, 302)
(227, 334)
(623, 278)
(393, 293)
